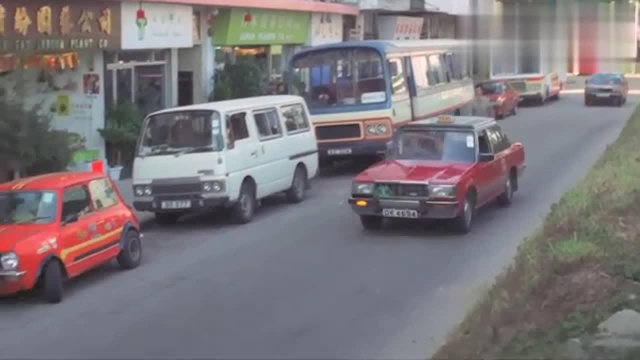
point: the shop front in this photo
(144, 70)
(51, 55)
(268, 37)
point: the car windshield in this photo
(28, 207)
(181, 131)
(434, 145)
(605, 79)
(491, 88)
(336, 77)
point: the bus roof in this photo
(237, 104)
(386, 46)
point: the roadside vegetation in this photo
(580, 267)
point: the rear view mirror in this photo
(70, 218)
(486, 157)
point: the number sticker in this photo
(47, 198)
(470, 141)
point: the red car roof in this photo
(51, 181)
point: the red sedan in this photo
(503, 96)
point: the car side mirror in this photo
(486, 157)
(69, 219)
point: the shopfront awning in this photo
(293, 5)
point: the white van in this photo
(224, 154)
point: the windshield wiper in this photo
(195, 149)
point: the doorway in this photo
(185, 88)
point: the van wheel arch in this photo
(44, 262)
(301, 165)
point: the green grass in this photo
(576, 270)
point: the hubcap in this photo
(299, 185)
(134, 249)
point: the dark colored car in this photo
(502, 95)
(606, 88)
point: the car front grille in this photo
(384, 190)
(336, 132)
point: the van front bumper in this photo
(426, 209)
(196, 202)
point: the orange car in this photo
(57, 226)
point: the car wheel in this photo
(506, 198)
(619, 102)
(587, 102)
(298, 188)
(371, 222)
(52, 279)
(463, 222)
(244, 209)
(167, 218)
(130, 255)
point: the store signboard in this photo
(325, 29)
(57, 26)
(156, 26)
(400, 27)
(238, 27)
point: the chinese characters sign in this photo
(260, 27)
(325, 29)
(156, 26)
(58, 26)
(400, 27)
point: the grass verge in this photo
(576, 270)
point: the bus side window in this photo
(420, 69)
(452, 67)
(397, 76)
(437, 73)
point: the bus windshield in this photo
(336, 77)
(181, 132)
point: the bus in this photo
(359, 92)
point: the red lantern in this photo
(248, 17)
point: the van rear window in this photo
(295, 118)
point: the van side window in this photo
(498, 139)
(268, 124)
(420, 69)
(76, 201)
(295, 118)
(237, 127)
(102, 194)
(397, 76)
(437, 73)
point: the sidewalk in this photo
(126, 190)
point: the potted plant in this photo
(120, 133)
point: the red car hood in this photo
(411, 170)
(12, 234)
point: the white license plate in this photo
(179, 204)
(339, 151)
(602, 95)
(400, 213)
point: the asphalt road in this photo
(304, 281)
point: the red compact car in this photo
(57, 226)
(503, 96)
(442, 168)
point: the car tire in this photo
(371, 222)
(166, 219)
(244, 209)
(514, 111)
(130, 255)
(506, 198)
(298, 188)
(618, 102)
(52, 279)
(463, 222)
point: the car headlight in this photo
(213, 186)
(377, 129)
(9, 261)
(362, 188)
(142, 190)
(442, 191)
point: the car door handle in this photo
(254, 153)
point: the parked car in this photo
(607, 88)
(442, 168)
(503, 96)
(58, 226)
(226, 154)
